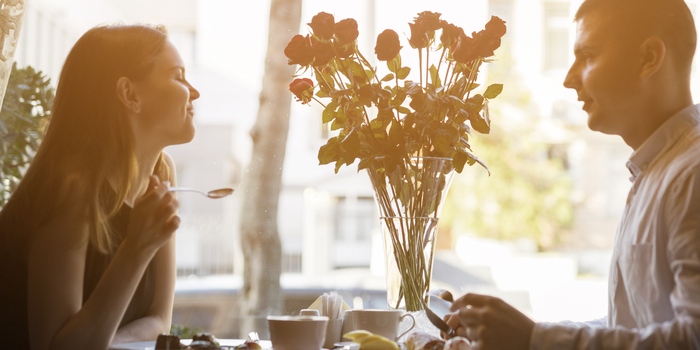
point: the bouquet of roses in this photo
(409, 135)
(388, 117)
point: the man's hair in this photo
(670, 20)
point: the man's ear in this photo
(127, 95)
(653, 52)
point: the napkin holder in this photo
(335, 326)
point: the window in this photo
(556, 35)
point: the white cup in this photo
(297, 332)
(383, 322)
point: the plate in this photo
(151, 345)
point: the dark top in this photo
(13, 288)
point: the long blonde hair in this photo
(88, 138)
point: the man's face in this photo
(605, 75)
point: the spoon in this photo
(218, 193)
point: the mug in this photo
(383, 322)
(297, 332)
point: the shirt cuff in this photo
(552, 336)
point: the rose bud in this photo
(450, 34)
(465, 50)
(388, 45)
(322, 24)
(299, 86)
(419, 35)
(496, 27)
(299, 51)
(346, 31)
(323, 52)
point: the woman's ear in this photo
(127, 95)
(653, 51)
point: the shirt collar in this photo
(664, 137)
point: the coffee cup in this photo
(297, 332)
(382, 322)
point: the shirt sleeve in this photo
(681, 218)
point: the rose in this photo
(388, 45)
(496, 27)
(431, 20)
(486, 43)
(419, 35)
(322, 24)
(346, 31)
(465, 50)
(450, 34)
(299, 87)
(299, 50)
(323, 52)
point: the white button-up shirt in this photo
(654, 283)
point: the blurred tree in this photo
(262, 251)
(528, 192)
(26, 110)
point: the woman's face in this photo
(165, 97)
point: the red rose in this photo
(299, 50)
(388, 45)
(419, 35)
(465, 50)
(450, 34)
(323, 52)
(431, 20)
(322, 24)
(346, 31)
(299, 86)
(496, 27)
(486, 43)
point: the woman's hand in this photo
(153, 219)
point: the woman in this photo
(87, 251)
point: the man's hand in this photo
(490, 323)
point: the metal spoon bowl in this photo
(218, 193)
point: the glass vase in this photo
(410, 193)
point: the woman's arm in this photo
(159, 315)
(57, 318)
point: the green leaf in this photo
(396, 133)
(392, 65)
(434, 77)
(493, 91)
(403, 72)
(365, 163)
(388, 77)
(403, 110)
(329, 113)
(328, 152)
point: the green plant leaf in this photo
(403, 72)
(393, 65)
(434, 77)
(493, 91)
(388, 77)
(329, 113)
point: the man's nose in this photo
(572, 79)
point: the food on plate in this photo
(457, 343)
(248, 345)
(423, 341)
(369, 341)
(202, 345)
(208, 337)
(168, 342)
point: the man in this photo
(632, 73)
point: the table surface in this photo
(151, 345)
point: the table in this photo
(151, 345)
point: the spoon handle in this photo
(184, 189)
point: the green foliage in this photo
(183, 332)
(528, 195)
(26, 110)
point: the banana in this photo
(369, 341)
